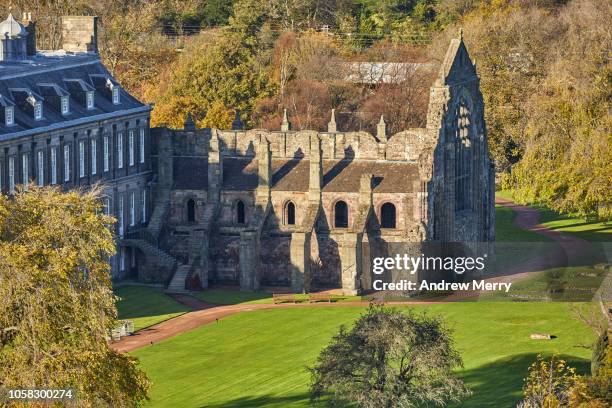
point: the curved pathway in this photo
(203, 313)
(209, 313)
(566, 247)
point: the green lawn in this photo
(513, 244)
(232, 297)
(259, 359)
(516, 245)
(571, 284)
(507, 231)
(146, 306)
(589, 230)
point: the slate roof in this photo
(338, 175)
(61, 73)
(191, 173)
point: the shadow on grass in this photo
(138, 302)
(268, 401)
(500, 383)
(497, 384)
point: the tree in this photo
(56, 301)
(218, 69)
(389, 359)
(549, 384)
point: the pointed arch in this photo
(240, 212)
(464, 141)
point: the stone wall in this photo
(274, 261)
(403, 146)
(414, 170)
(224, 254)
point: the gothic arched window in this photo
(463, 157)
(190, 210)
(341, 215)
(290, 213)
(387, 215)
(240, 212)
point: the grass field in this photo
(570, 284)
(220, 296)
(146, 306)
(590, 230)
(259, 359)
(507, 231)
(516, 245)
(593, 231)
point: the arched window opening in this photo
(290, 213)
(341, 215)
(387, 215)
(240, 212)
(463, 158)
(190, 210)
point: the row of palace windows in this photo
(134, 202)
(341, 219)
(93, 167)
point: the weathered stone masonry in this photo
(307, 209)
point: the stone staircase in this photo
(158, 217)
(177, 284)
(210, 214)
(158, 262)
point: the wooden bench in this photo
(283, 297)
(377, 299)
(319, 297)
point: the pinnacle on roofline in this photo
(381, 129)
(237, 123)
(189, 124)
(331, 125)
(285, 125)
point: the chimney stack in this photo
(80, 33)
(30, 26)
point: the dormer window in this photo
(9, 116)
(116, 95)
(65, 105)
(38, 113)
(90, 100)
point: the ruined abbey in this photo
(304, 209)
(309, 210)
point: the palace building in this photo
(253, 208)
(65, 121)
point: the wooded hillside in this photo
(545, 71)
